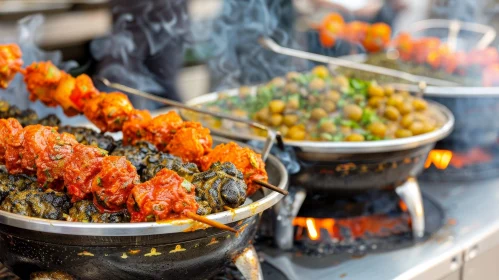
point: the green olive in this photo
(321, 71)
(293, 104)
(291, 76)
(403, 133)
(375, 101)
(405, 108)
(353, 112)
(276, 106)
(290, 120)
(318, 113)
(263, 115)
(275, 120)
(292, 88)
(407, 120)
(378, 129)
(389, 90)
(278, 82)
(392, 113)
(419, 104)
(317, 84)
(326, 137)
(296, 133)
(333, 95)
(395, 100)
(355, 137)
(328, 126)
(375, 90)
(417, 128)
(329, 106)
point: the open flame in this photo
(441, 159)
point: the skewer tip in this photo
(207, 221)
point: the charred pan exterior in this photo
(85, 211)
(37, 203)
(221, 185)
(87, 136)
(155, 162)
(136, 154)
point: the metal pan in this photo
(181, 249)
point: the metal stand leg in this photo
(410, 193)
(249, 265)
(285, 212)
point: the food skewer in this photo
(271, 134)
(273, 46)
(207, 221)
(111, 180)
(271, 187)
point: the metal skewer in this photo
(271, 134)
(273, 46)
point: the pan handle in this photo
(272, 135)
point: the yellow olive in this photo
(346, 130)
(317, 84)
(392, 113)
(328, 126)
(395, 100)
(333, 95)
(375, 101)
(353, 112)
(244, 92)
(419, 104)
(417, 128)
(378, 129)
(318, 113)
(296, 133)
(292, 75)
(329, 106)
(375, 90)
(263, 115)
(428, 127)
(278, 82)
(293, 104)
(389, 90)
(321, 71)
(403, 133)
(275, 120)
(290, 120)
(407, 120)
(326, 137)
(291, 88)
(284, 130)
(276, 106)
(355, 137)
(405, 108)
(404, 93)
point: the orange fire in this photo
(439, 158)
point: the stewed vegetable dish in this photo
(319, 106)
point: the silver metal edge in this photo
(154, 228)
(342, 147)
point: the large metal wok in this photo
(181, 249)
(349, 166)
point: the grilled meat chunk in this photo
(155, 162)
(37, 203)
(221, 185)
(136, 154)
(85, 211)
(87, 136)
(9, 183)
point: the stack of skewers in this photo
(165, 169)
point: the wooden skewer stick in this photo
(227, 208)
(271, 187)
(207, 221)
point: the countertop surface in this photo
(471, 211)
